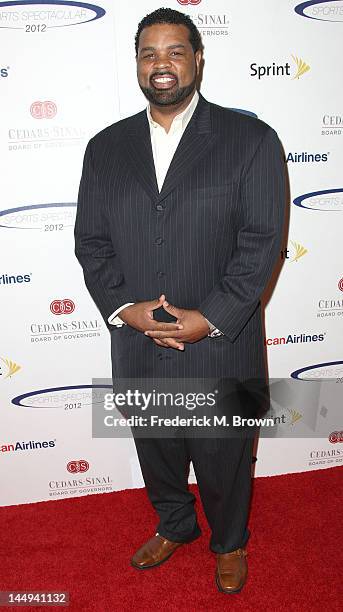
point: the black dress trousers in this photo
(223, 471)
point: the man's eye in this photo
(148, 55)
(176, 53)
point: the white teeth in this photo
(163, 80)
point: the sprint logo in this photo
(296, 252)
(302, 67)
(298, 68)
(295, 416)
(8, 368)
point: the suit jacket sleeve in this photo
(93, 245)
(236, 296)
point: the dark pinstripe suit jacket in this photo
(209, 240)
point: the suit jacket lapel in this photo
(196, 141)
(137, 143)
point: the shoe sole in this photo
(143, 567)
(220, 588)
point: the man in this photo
(178, 228)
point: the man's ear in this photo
(198, 58)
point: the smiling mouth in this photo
(165, 81)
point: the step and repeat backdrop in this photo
(67, 69)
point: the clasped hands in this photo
(190, 326)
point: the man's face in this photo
(167, 67)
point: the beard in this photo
(163, 97)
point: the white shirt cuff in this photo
(114, 320)
(214, 331)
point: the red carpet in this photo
(83, 546)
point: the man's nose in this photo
(162, 62)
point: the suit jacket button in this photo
(160, 274)
(159, 207)
(158, 240)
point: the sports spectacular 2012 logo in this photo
(40, 16)
(321, 10)
(326, 200)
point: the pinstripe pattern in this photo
(218, 223)
(219, 214)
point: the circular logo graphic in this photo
(43, 110)
(340, 284)
(62, 307)
(336, 436)
(78, 466)
(184, 2)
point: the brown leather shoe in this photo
(154, 552)
(232, 570)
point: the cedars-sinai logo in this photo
(62, 307)
(75, 467)
(335, 437)
(184, 2)
(43, 110)
(37, 17)
(321, 10)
